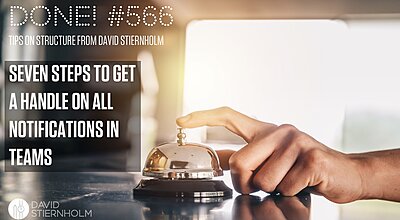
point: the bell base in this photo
(202, 188)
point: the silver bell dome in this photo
(182, 161)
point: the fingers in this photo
(234, 121)
(275, 168)
(306, 172)
(250, 158)
(242, 181)
(257, 152)
(295, 180)
(223, 156)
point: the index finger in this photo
(234, 121)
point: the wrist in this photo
(367, 168)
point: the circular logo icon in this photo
(18, 209)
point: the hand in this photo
(283, 159)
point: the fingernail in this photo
(183, 119)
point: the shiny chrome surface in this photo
(187, 161)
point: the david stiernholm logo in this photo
(18, 209)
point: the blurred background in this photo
(331, 68)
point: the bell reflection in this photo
(155, 208)
(272, 207)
